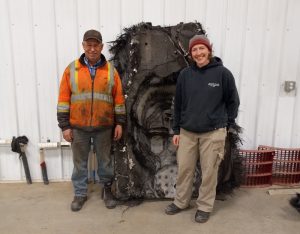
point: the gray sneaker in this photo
(172, 209)
(77, 203)
(201, 216)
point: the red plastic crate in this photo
(286, 165)
(257, 167)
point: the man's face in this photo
(92, 49)
(200, 54)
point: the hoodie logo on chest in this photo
(213, 84)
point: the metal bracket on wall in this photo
(5, 142)
(288, 89)
(51, 145)
(289, 86)
(42, 145)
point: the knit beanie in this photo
(199, 39)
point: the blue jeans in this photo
(81, 146)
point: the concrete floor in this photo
(39, 209)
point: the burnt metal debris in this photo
(149, 59)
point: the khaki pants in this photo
(209, 148)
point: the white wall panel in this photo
(268, 87)
(67, 32)
(258, 40)
(196, 10)
(47, 80)
(131, 12)
(289, 71)
(110, 19)
(251, 70)
(234, 43)
(8, 116)
(9, 164)
(295, 141)
(216, 20)
(46, 71)
(174, 12)
(88, 17)
(24, 66)
(153, 11)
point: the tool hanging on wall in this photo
(43, 166)
(18, 145)
(43, 146)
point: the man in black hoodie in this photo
(206, 104)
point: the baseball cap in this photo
(92, 34)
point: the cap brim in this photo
(93, 38)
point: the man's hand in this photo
(176, 140)
(118, 132)
(68, 135)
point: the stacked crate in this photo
(257, 165)
(286, 165)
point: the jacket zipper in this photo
(93, 78)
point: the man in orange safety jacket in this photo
(91, 109)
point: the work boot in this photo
(201, 216)
(172, 209)
(77, 203)
(108, 198)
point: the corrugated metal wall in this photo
(258, 41)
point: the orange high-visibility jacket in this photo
(88, 103)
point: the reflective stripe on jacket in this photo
(90, 103)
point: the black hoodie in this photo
(206, 98)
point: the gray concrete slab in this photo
(45, 209)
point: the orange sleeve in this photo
(117, 91)
(119, 100)
(64, 98)
(65, 89)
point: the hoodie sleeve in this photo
(231, 97)
(177, 105)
